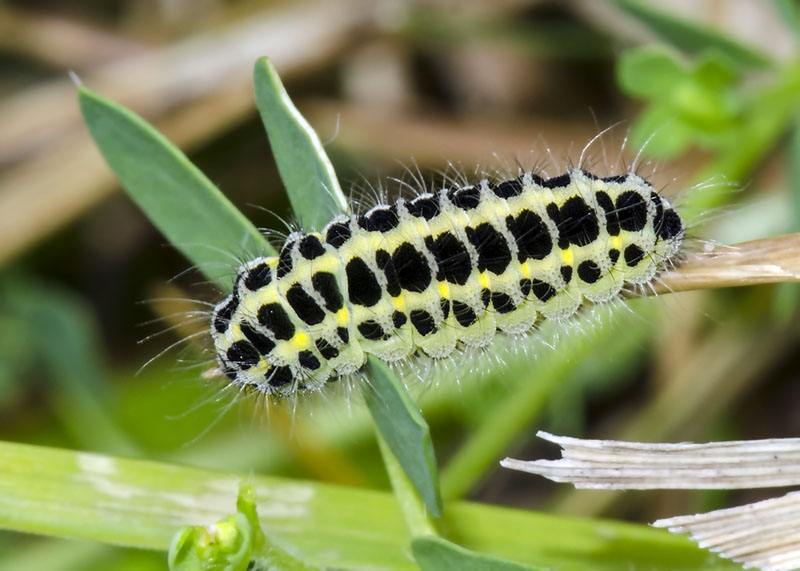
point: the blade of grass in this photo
(188, 209)
(417, 520)
(70, 555)
(142, 503)
(405, 431)
(434, 553)
(431, 551)
(305, 169)
(787, 295)
(692, 37)
(794, 173)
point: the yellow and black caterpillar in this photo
(439, 272)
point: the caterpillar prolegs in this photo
(439, 272)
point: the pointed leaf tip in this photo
(179, 199)
(305, 168)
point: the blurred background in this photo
(90, 292)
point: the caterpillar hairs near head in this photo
(438, 273)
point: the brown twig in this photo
(766, 261)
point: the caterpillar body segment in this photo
(439, 272)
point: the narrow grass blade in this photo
(418, 518)
(405, 431)
(787, 296)
(649, 71)
(142, 504)
(188, 209)
(434, 553)
(305, 169)
(794, 173)
(690, 36)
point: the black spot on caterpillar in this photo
(439, 272)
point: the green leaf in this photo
(649, 71)
(246, 505)
(230, 544)
(434, 553)
(692, 37)
(141, 503)
(767, 115)
(305, 169)
(660, 131)
(268, 554)
(418, 519)
(688, 105)
(188, 209)
(224, 546)
(710, 112)
(787, 296)
(794, 173)
(405, 431)
(715, 71)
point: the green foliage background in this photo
(719, 112)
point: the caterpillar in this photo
(439, 272)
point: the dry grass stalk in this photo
(771, 260)
(615, 465)
(761, 535)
